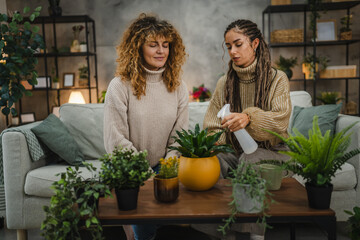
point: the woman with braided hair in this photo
(259, 98)
(147, 102)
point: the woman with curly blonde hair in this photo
(146, 102)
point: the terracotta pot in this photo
(199, 174)
(166, 189)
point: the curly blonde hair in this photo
(130, 61)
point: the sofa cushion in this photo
(345, 178)
(300, 99)
(85, 122)
(39, 180)
(53, 133)
(303, 118)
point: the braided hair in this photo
(263, 74)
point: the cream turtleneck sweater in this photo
(277, 119)
(147, 123)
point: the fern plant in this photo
(317, 157)
(198, 144)
(354, 223)
(329, 97)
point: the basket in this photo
(287, 35)
(280, 2)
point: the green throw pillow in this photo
(54, 134)
(303, 117)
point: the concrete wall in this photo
(201, 24)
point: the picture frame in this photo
(326, 30)
(27, 117)
(68, 80)
(42, 82)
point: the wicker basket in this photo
(280, 2)
(287, 35)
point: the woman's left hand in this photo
(235, 121)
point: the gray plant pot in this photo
(244, 202)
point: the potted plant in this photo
(329, 97)
(199, 168)
(285, 65)
(316, 159)
(18, 43)
(83, 76)
(308, 67)
(75, 44)
(345, 30)
(248, 193)
(273, 172)
(54, 8)
(354, 223)
(63, 219)
(125, 171)
(201, 93)
(166, 182)
(83, 46)
(55, 80)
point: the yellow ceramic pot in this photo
(199, 174)
(166, 190)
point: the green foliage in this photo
(199, 144)
(346, 22)
(18, 42)
(321, 60)
(314, 6)
(83, 72)
(62, 218)
(354, 222)
(286, 63)
(169, 167)
(125, 169)
(329, 97)
(102, 97)
(245, 173)
(318, 157)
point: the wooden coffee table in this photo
(212, 206)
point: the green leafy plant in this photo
(55, 78)
(62, 218)
(198, 144)
(315, 6)
(83, 72)
(247, 174)
(354, 222)
(329, 97)
(311, 65)
(168, 167)
(285, 65)
(125, 169)
(102, 97)
(346, 22)
(318, 157)
(18, 42)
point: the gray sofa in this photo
(27, 183)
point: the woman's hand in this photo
(235, 121)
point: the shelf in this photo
(320, 43)
(69, 88)
(67, 54)
(323, 79)
(63, 19)
(305, 7)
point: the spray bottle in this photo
(247, 143)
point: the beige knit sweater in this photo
(277, 119)
(147, 123)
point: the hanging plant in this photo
(18, 42)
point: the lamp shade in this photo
(76, 97)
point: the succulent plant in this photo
(198, 144)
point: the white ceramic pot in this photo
(83, 47)
(55, 85)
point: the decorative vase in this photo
(75, 44)
(55, 85)
(319, 197)
(246, 203)
(199, 174)
(127, 198)
(307, 70)
(166, 189)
